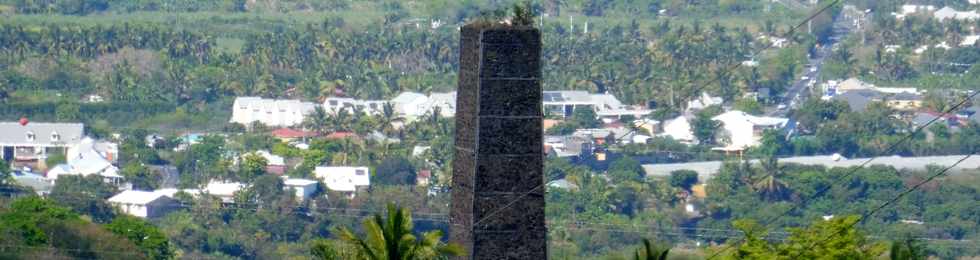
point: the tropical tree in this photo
(387, 118)
(907, 249)
(650, 252)
(391, 238)
(319, 120)
(833, 239)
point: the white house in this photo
(32, 142)
(679, 129)
(144, 204)
(343, 178)
(565, 102)
(746, 130)
(83, 159)
(303, 188)
(223, 190)
(410, 104)
(270, 112)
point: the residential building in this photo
(28, 143)
(650, 125)
(564, 103)
(223, 190)
(413, 105)
(274, 164)
(371, 107)
(144, 204)
(950, 13)
(744, 130)
(41, 185)
(303, 188)
(343, 178)
(571, 146)
(858, 100)
(705, 100)
(270, 112)
(602, 135)
(904, 101)
(679, 129)
(289, 134)
(83, 159)
(410, 104)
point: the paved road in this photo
(707, 169)
(797, 93)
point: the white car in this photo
(804, 78)
(781, 106)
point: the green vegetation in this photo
(35, 228)
(174, 66)
(392, 238)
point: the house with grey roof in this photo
(30, 143)
(858, 100)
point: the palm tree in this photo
(387, 118)
(392, 239)
(650, 252)
(318, 120)
(771, 186)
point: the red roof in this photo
(291, 133)
(341, 135)
(424, 174)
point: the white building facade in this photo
(744, 130)
(270, 112)
(343, 178)
(32, 142)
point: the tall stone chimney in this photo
(498, 198)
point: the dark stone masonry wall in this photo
(498, 201)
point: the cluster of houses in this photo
(150, 204)
(907, 102)
(941, 14)
(739, 130)
(28, 145)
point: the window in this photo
(30, 136)
(55, 136)
(359, 172)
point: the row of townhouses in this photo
(411, 106)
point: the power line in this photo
(890, 149)
(717, 78)
(883, 205)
